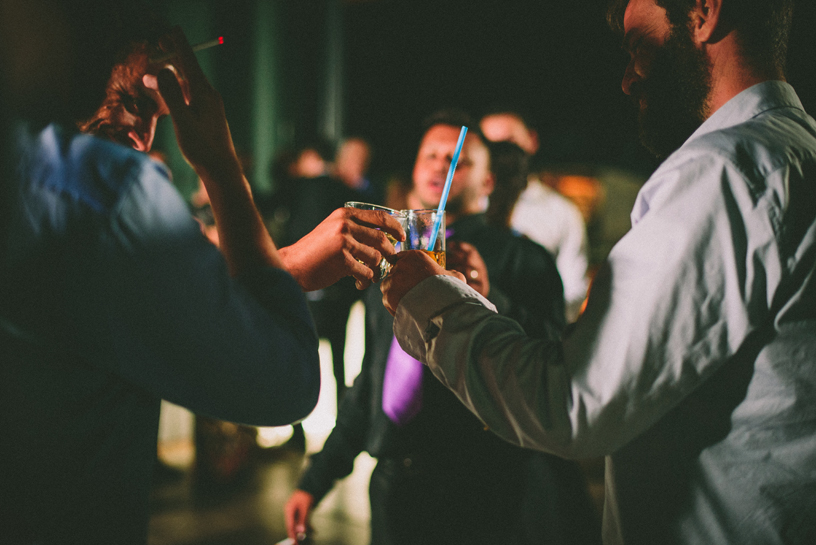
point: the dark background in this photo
(399, 60)
(557, 60)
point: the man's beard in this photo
(675, 92)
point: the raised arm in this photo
(350, 242)
(204, 138)
(653, 331)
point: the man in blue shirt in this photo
(691, 369)
(111, 299)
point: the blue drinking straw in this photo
(444, 198)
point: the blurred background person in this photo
(351, 166)
(306, 192)
(544, 215)
(510, 167)
(275, 206)
(308, 195)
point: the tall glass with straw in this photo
(437, 236)
(424, 229)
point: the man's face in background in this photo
(472, 181)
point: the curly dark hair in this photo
(763, 26)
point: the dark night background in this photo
(398, 60)
(558, 60)
(561, 64)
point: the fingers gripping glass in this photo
(420, 226)
(382, 269)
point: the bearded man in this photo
(691, 369)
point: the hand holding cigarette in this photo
(196, 109)
(204, 138)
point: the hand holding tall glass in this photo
(434, 245)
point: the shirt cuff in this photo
(413, 326)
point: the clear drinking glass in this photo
(419, 227)
(384, 266)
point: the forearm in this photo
(243, 238)
(452, 343)
(520, 387)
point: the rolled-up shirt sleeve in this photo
(677, 298)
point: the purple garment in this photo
(402, 385)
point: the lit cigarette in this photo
(197, 47)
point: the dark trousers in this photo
(536, 499)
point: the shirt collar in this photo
(748, 104)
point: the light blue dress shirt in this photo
(693, 368)
(111, 298)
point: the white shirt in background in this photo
(550, 219)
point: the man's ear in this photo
(489, 184)
(705, 21)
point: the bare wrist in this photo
(288, 257)
(220, 169)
